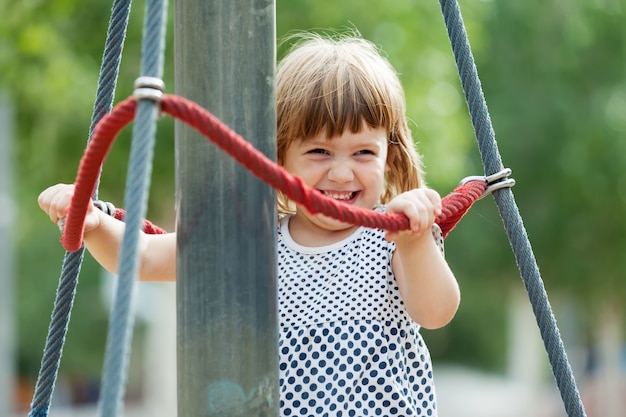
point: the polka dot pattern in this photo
(347, 345)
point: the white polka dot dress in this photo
(347, 345)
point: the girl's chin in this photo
(320, 221)
(331, 222)
(325, 222)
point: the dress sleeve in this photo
(438, 236)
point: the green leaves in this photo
(553, 75)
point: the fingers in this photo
(421, 206)
(55, 201)
(435, 200)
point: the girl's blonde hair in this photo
(339, 83)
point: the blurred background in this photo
(554, 76)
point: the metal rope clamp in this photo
(105, 207)
(150, 88)
(495, 182)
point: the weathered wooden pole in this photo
(226, 291)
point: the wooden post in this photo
(226, 292)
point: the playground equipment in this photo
(244, 383)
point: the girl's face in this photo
(350, 168)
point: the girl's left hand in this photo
(421, 206)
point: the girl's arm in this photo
(103, 236)
(157, 253)
(428, 287)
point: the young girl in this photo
(351, 299)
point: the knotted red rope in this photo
(455, 205)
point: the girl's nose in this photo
(340, 171)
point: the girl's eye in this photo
(319, 151)
(365, 152)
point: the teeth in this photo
(338, 196)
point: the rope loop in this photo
(455, 205)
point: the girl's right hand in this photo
(55, 202)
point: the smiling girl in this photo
(351, 299)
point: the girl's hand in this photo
(421, 206)
(55, 202)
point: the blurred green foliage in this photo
(554, 76)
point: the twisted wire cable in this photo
(72, 261)
(121, 319)
(509, 211)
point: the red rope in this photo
(455, 205)
(148, 227)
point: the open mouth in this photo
(345, 196)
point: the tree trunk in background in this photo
(160, 351)
(526, 357)
(7, 221)
(526, 353)
(610, 390)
